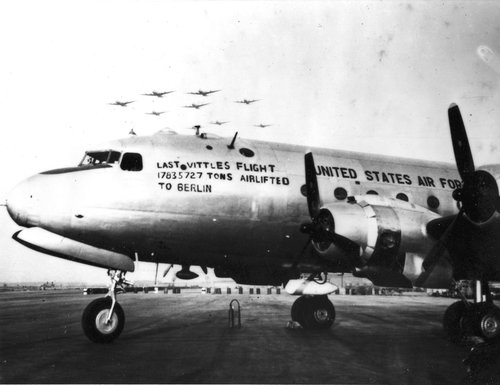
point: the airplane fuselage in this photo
(195, 201)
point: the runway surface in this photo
(172, 338)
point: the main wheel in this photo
(489, 322)
(94, 322)
(454, 321)
(316, 312)
(297, 310)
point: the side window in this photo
(131, 161)
(340, 193)
(114, 157)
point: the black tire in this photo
(93, 319)
(454, 321)
(296, 310)
(318, 313)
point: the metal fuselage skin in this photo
(197, 201)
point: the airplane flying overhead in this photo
(158, 94)
(266, 213)
(218, 123)
(246, 101)
(122, 104)
(203, 93)
(197, 106)
(157, 113)
(261, 125)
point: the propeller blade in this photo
(167, 270)
(156, 273)
(436, 268)
(313, 198)
(299, 256)
(438, 248)
(461, 148)
(351, 248)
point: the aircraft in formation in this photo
(203, 93)
(246, 101)
(158, 94)
(197, 106)
(261, 125)
(157, 113)
(266, 213)
(121, 104)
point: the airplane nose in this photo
(21, 204)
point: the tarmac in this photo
(185, 338)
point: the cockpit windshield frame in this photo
(101, 157)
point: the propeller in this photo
(479, 194)
(322, 225)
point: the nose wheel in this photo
(103, 319)
(97, 323)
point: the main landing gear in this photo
(103, 319)
(313, 312)
(481, 318)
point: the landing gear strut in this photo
(481, 318)
(103, 319)
(313, 312)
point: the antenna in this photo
(231, 146)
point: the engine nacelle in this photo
(385, 229)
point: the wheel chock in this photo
(234, 307)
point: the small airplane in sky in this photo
(197, 106)
(262, 125)
(265, 213)
(218, 123)
(158, 94)
(246, 101)
(203, 93)
(157, 113)
(122, 104)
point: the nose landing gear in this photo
(103, 319)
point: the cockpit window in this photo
(93, 158)
(131, 161)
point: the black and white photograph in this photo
(250, 192)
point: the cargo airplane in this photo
(197, 106)
(121, 104)
(265, 213)
(203, 93)
(158, 94)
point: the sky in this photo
(369, 76)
